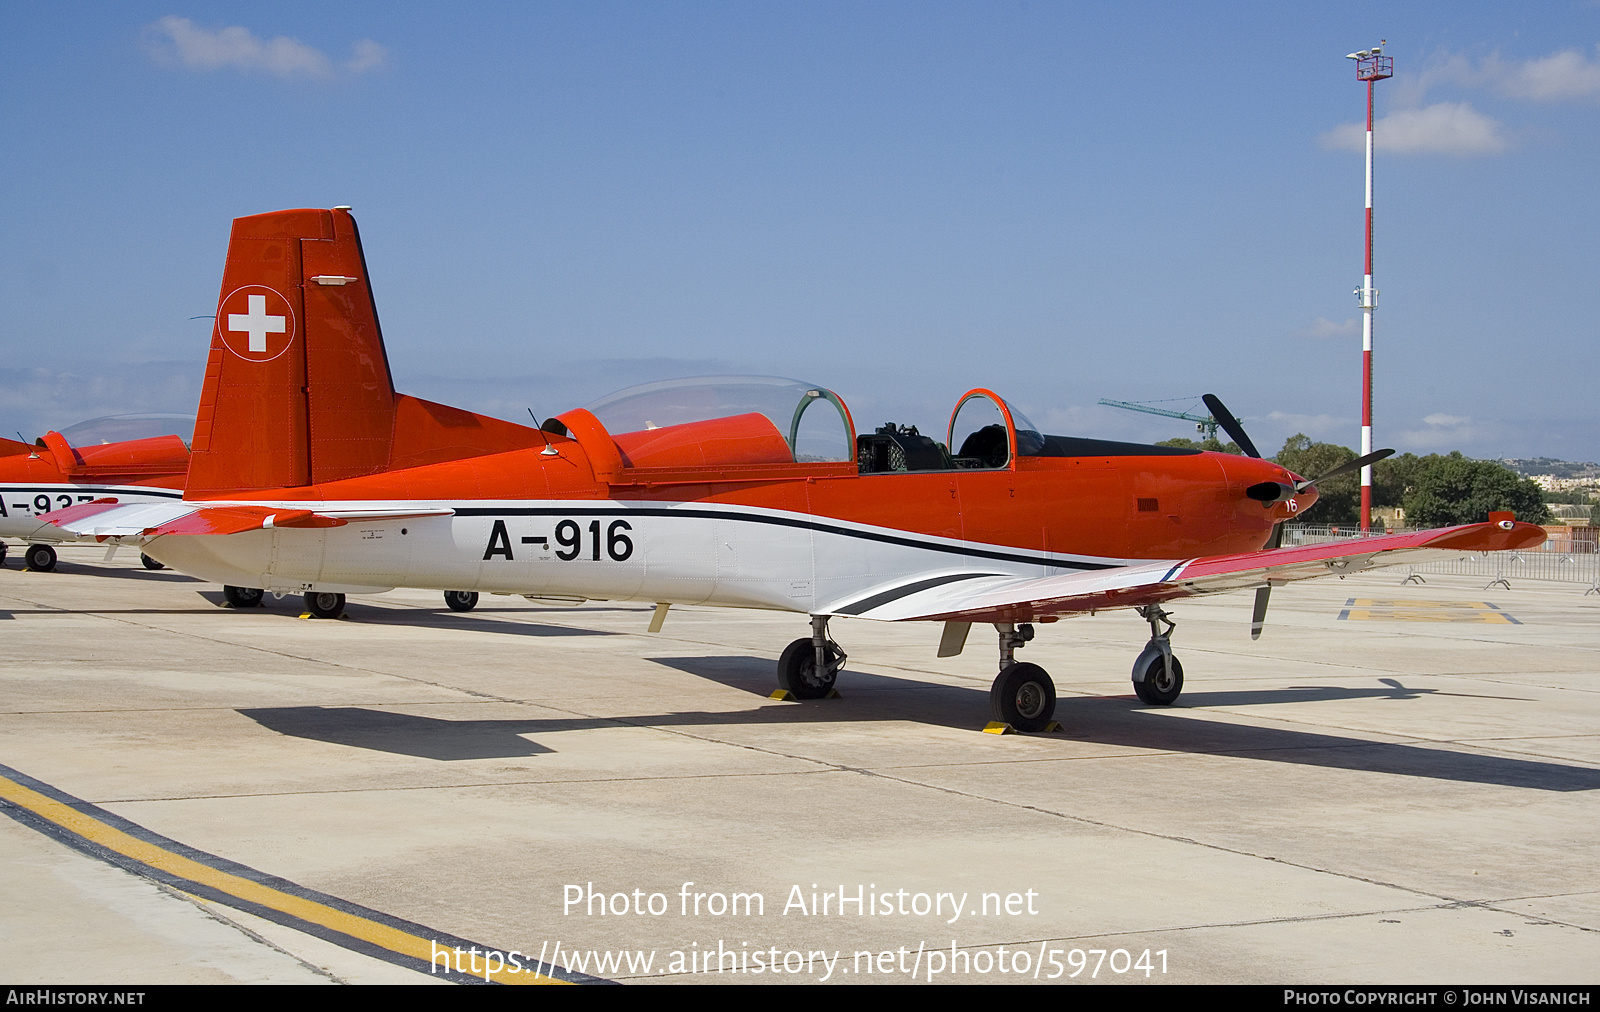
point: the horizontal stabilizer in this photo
(105, 519)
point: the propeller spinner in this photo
(1270, 493)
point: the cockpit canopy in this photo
(985, 433)
(727, 420)
(124, 428)
(731, 421)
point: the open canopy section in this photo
(727, 420)
(124, 428)
(145, 444)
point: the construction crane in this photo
(1207, 424)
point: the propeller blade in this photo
(1345, 468)
(1258, 618)
(1230, 425)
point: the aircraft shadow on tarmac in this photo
(110, 573)
(418, 618)
(1106, 720)
(405, 734)
(1122, 720)
(1320, 693)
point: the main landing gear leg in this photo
(809, 667)
(1023, 694)
(1157, 675)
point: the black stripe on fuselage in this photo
(878, 600)
(86, 489)
(811, 525)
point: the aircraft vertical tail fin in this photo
(297, 387)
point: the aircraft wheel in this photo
(243, 597)
(324, 605)
(1157, 689)
(1024, 697)
(461, 600)
(40, 558)
(2, 553)
(797, 670)
(150, 563)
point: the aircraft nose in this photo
(1277, 486)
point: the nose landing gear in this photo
(1157, 675)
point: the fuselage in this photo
(797, 537)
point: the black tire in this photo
(150, 563)
(40, 558)
(324, 605)
(1157, 689)
(1024, 697)
(243, 597)
(797, 670)
(2, 553)
(461, 600)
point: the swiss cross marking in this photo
(266, 328)
(257, 323)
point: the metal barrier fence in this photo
(1558, 560)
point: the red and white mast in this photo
(1371, 66)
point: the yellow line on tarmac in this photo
(354, 925)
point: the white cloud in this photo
(1443, 432)
(1324, 327)
(1457, 128)
(1319, 427)
(179, 41)
(1567, 74)
(1452, 128)
(366, 55)
(1411, 90)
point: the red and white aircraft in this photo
(134, 458)
(311, 475)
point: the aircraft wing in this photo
(979, 598)
(105, 518)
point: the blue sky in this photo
(1062, 202)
